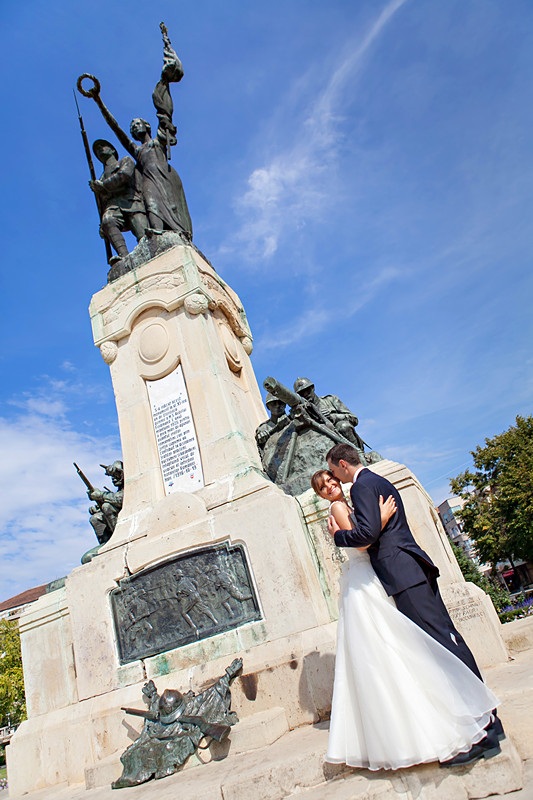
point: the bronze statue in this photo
(278, 420)
(108, 504)
(293, 450)
(333, 410)
(120, 197)
(174, 727)
(162, 189)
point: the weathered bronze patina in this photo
(120, 199)
(108, 505)
(174, 726)
(158, 186)
(293, 446)
(185, 599)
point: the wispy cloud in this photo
(318, 318)
(294, 185)
(43, 514)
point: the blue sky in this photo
(360, 173)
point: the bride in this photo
(399, 697)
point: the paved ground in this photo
(293, 766)
(523, 794)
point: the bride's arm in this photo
(387, 509)
(341, 514)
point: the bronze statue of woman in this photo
(161, 185)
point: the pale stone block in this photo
(515, 714)
(319, 668)
(476, 619)
(498, 775)
(518, 634)
(144, 314)
(95, 653)
(46, 643)
(429, 782)
(276, 781)
(259, 730)
(192, 657)
(104, 773)
(362, 788)
(24, 761)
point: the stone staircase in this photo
(293, 767)
(265, 761)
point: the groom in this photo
(405, 570)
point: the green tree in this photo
(498, 510)
(12, 698)
(500, 597)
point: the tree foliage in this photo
(500, 597)
(12, 698)
(498, 494)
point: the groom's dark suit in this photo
(405, 570)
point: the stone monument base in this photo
(76, 685)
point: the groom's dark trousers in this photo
(405, 570)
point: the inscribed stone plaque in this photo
(177, 445)
(185, 599)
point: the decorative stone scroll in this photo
(185, 599)
(175, 435)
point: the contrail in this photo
(353, 62)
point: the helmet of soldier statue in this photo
(171, 705)
(271, 398)
(116, 468)
(303, 383)
(100, 144)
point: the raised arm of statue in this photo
(94, 92)
(172, 72)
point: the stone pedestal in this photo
(177, 343)
(206, 547)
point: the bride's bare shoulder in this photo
(340, 513)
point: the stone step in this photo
(293, 768)
(499, 775)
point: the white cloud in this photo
(43, 515)
(295, 184)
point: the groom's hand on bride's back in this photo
(332, 526)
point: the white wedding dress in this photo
(399, 698)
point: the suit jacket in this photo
(397, 559)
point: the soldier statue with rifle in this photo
(161, 185)
(119, 198)
(333, 409)
(291, 452)
(174, 727)
(108, 504)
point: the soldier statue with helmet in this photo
(278, 420)
(174, 727)
(331, 407)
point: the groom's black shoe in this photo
(496, 727)
(486, 748)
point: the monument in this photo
(208, 559)
(174, 727)
(292, 445)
